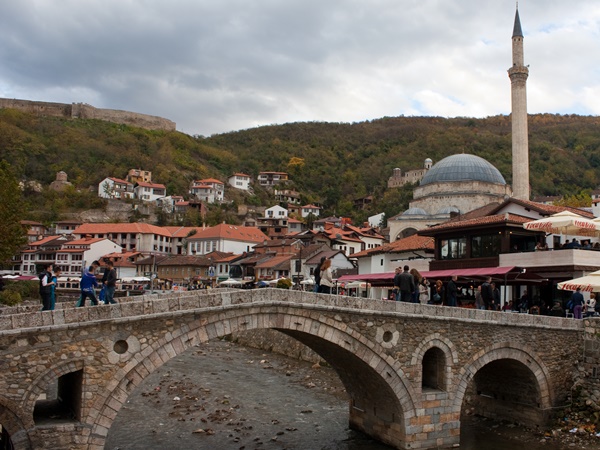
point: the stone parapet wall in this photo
(188, 300)
(85, 111)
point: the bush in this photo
(26, 289)
(10, 298)
(284, 283)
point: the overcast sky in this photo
(214, 66)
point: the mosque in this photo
(461, 183)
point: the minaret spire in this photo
(518, 74)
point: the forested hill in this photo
(330, 163)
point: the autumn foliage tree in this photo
(12, 211)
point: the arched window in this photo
(434, 369)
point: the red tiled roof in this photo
(151, 185)
(240, 175)
(485, 220)
(209, 181)
(118, 180)
(84, 241)
(232, 232)
(44, 240)
(181, 232)
(104, 228)
(414, 242)
(274, 262)
(548, 209)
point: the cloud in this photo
(233, 64)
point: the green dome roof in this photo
(463, 167)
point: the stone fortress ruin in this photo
(85, 111)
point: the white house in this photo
(307, 210)
(415, 251)
(224, 238)
(149, 192)
(240, 181)
(112, 187)
(142, 237)
(269, 179)
(208, 190)
(74, 254)
(276, 212)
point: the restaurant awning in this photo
(508, 273)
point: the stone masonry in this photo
(85, 111)
(407, 368)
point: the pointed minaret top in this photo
(517, 32)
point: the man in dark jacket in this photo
(46, 287)
(111, 283)
(317, 275)
(452, 292)
(487, 294)
(405, 283)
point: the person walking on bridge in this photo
(87, 284)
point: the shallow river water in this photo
(223, 396)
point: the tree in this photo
(12, 211)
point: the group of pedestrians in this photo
(410, 286)
(87, 284)
(580, 307)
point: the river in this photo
(222, 396)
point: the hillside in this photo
(330, 163)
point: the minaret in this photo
(518, 74)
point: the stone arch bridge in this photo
(407, 368)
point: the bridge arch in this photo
(491, 370)
(16, 423)
(382, 396)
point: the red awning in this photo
(510, 273)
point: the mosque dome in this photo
(415, 212)
(449, 210)
(463, 167)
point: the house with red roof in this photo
(307, 210)
(37, 254)
(208, 190)
(142, 237)
(148, 191)
(64, 252)
(34, 229)
(240, 181)
(124, 262)
(77, 253)
(225, 238)
(270, 179)
(415, 250)
(115, 188)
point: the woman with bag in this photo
(437, 296)
(326, 278)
